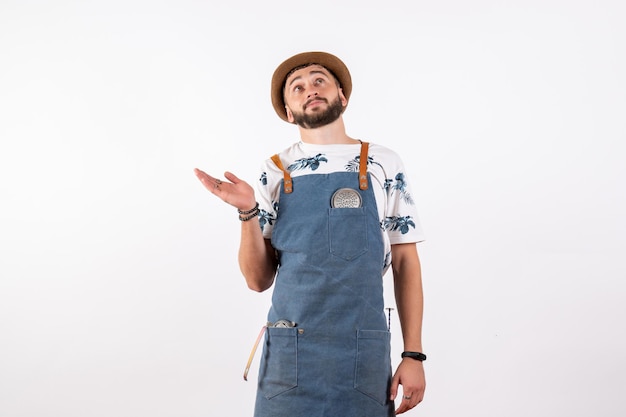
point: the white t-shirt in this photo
(396, 207)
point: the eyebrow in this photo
(310, 73)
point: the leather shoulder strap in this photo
(287, 183)
(363, 166)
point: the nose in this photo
(312, 93)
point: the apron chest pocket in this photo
(278, 372)
(347, 232)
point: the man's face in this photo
(313, 98)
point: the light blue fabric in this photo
(336, 361)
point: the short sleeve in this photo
(268, 193)
(401, 221)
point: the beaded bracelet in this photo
(250, 216)
(252, 210)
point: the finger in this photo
(403, 407)
(199, 173)
(210, 183)
(202, 176)
(408, 403)
(419, 397)
(393, 390)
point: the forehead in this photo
(305, 70)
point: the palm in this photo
(235, 192)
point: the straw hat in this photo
(328, 61)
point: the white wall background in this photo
(119, 289)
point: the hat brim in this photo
(328, 61)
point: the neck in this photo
(331, 134)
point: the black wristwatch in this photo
(418, 356)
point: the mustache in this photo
(314, 99)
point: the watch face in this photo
(346, 198)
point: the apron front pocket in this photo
(373, 364)
(347, 232)
(278, 372)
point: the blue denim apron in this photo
(336, 361)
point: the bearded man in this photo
(331, 214)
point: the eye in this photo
(319, 81)
(297, 88)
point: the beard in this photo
(319, 119)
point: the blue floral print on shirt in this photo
(312, 163)
(396, 223)
(353, 164)
(399, 184)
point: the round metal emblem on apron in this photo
(282, 323)
(346, 198)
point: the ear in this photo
(289, 115)
(344, 100)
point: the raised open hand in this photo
(234, 191)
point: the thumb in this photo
(231, 177)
